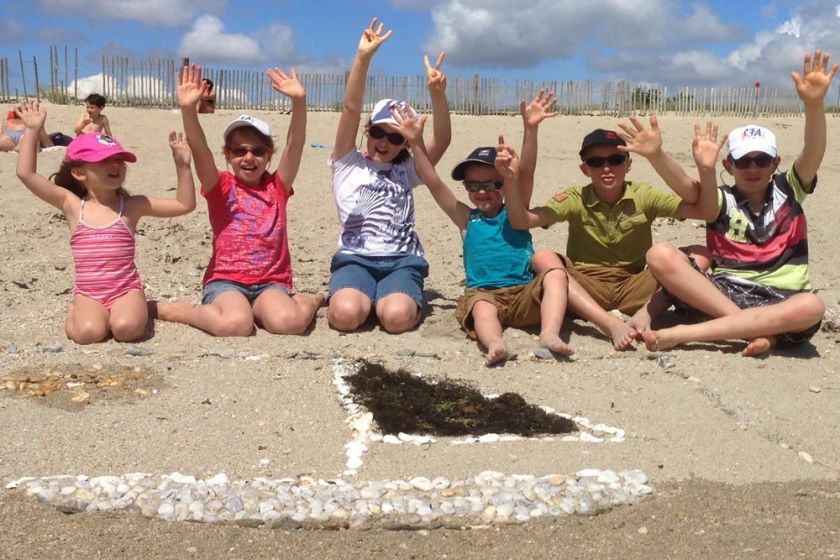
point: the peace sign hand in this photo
(436, 78)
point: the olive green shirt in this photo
(618, 236)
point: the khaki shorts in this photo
(615, 288)
(518, 306)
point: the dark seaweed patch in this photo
(401, 402)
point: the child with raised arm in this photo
(379, 267)
(92, 119)
(88, 188)
(759, 286)
(249, 278)
(610, 223)
(501, 288)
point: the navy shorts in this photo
(377, 277)
(214, 289)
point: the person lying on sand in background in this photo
(12, 131)
(759, 286)
(248, 281)
(610, 223)
(379, 266)
(501, 288)
(92, 120)
(108, 296)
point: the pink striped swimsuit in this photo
(104, 258)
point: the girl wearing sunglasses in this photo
(379, 267)
(249, 279)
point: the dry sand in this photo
(742, 452)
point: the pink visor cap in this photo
(94, 147)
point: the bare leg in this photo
(348, 309)
(552, 311)
(128, 317)
(228, 315)
(397, 313)
(582, 305)
(278, 313)
(488, 330)
(87, 321)
(674, 271)
(797, 313)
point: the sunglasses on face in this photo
(241, 151)
(612, 159)
(486, 186)
(395, 138)
(762, 162)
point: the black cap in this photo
(486, 156)
(601, 137)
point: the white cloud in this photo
(135, 85)
(768, 56)
(208, 42)
(490, 32)
(155, 12)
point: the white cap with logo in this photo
(751, 138)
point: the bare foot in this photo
(655, 341)
(555, 344)
(623, 334)
(496, 352)
(759, 346)
(173, 311)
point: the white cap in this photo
(382, 111)
(247, 120)
(751, 138)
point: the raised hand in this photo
(32, 114)
(706, 145)
(288, 85)
(181, 152)
(410, 123)
(506, 163)
(190, 87)
(435, 78)
(812, 84)
(646, 142)
(540, 108)
(372, 38)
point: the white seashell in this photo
(488, 438)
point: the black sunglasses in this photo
(486, 186)
(394, 138)
(241, 151)
(762, 162)
(612, 159)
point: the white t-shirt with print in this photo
(375, 206)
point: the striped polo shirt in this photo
(768, 248)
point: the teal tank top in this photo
(495, 254)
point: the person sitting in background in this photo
(92, 120)
(207, 103)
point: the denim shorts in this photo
(377, 277)
(214, 289)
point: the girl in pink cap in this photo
(88, 188)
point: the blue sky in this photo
(669, 42)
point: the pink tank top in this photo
(104, 258)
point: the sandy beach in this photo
(742, 452)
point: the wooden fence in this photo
(151, 83)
